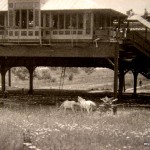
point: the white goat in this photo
(69, 105)
(86, 104)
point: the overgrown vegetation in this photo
(46, 73)
(75, 78)
(21, 72)
(52, 129)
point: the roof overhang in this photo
(68, 5)
(78, 5)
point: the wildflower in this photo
(56, 130)
(63, 135)
(32, 147)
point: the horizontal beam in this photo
(82, 50)
(55, 62)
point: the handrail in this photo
(140, 41)
(140, 19)
(145, 39)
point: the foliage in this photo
(21, 72)
(45, 73)
(70, 77)
(52, 129)
(88, 70)
(73, 70)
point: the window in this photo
(1, 20)
(74, 21)
(61, 21)
(24, 19)
(11, 5)
(80, 21)
(47, 20)
(23, 33)
(30, 33)
(24, 15)
(36, 33)
(36, 5)
(55, 21)
(68, 23)
(88, 23)
(17, 18)
(11, 18)
(30, 22)
(16, 33)
(36, 18)
(10, 33)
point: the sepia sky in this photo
(138, 6)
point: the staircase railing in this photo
(145, 73)
(140, 42)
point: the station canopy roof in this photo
(69, 4)
(3, 5)
(52, 5)
(77, 5)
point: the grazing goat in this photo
(86, 104)
(69, 105)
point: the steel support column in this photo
(3, 81)
(9, 77)
(31, 70)
(135, 75)
(121, 82)
(116, 70)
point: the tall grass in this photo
(50, 129)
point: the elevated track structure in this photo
(77, 34)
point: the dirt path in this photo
(139, 88)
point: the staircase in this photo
(140, 19)
(141, 41)
(146, 73)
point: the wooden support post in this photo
(3, 73)
(124, 84)
(135, 75)
(9, 77)
(31, 70)
(121, 82)
(116, 70)
(3, 81)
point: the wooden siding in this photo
(59, 50)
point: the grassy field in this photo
(50, 129)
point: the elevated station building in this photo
(71, 33)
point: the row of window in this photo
(36, 33)
(64, 21)
(67, 21)
(23, 33)
(24, 18)
(29, 18)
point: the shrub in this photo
(71, 77)
(89, 70)
(46, 74)
(53, 80)
(21, 72)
